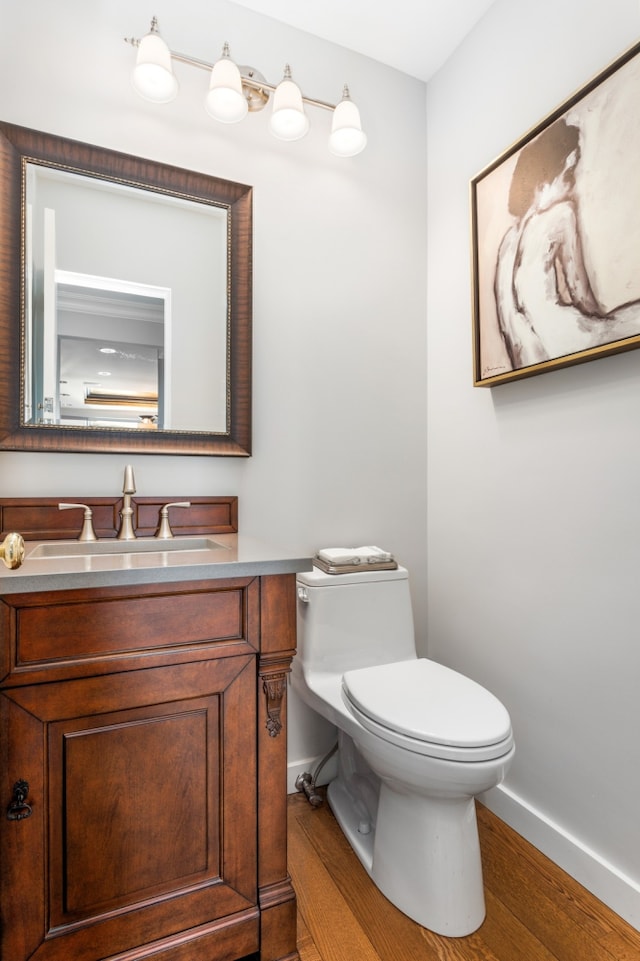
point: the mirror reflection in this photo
(105, 365)
(126, 307)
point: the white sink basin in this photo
(142, 546)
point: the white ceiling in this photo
(414, 36)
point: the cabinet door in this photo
(143, 831)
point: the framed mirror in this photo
(125, 302)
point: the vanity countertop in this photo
(237, 556)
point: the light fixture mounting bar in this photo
(246, 79)
(235, 91)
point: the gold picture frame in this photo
(555, 226)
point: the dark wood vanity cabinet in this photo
(143, 762)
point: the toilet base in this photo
(426, 860)
(422, 853)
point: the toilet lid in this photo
(429, 703)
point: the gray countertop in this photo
(237, 556)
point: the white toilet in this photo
(417, 742)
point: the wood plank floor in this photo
(535, 912)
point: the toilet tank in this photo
(347, 621)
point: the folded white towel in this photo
(345, 556)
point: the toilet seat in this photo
(430, 709)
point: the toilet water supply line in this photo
(306, 783)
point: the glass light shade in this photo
(288, 119)
(225, 101)
(347, 138)
(153, 77)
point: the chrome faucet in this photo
(126, 532)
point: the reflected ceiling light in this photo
(153, 76)
(236, 91)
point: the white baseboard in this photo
(618, 891)
(294, 768)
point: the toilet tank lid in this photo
(317, 578)
(430, 702)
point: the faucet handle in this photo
(87, 533)
(164, 531)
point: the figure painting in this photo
(556, 236)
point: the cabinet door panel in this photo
(149, 824)
(141, 787)
(21, 852)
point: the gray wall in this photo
(533, 486)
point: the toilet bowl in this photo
(417, 742)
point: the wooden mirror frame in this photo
(19, 145)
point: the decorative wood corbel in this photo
(274, 686)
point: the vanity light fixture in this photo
(225, 101)
(236, 91)
(153, 77)
(288, 119)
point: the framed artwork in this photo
(556, 236)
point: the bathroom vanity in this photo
(143, 752)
